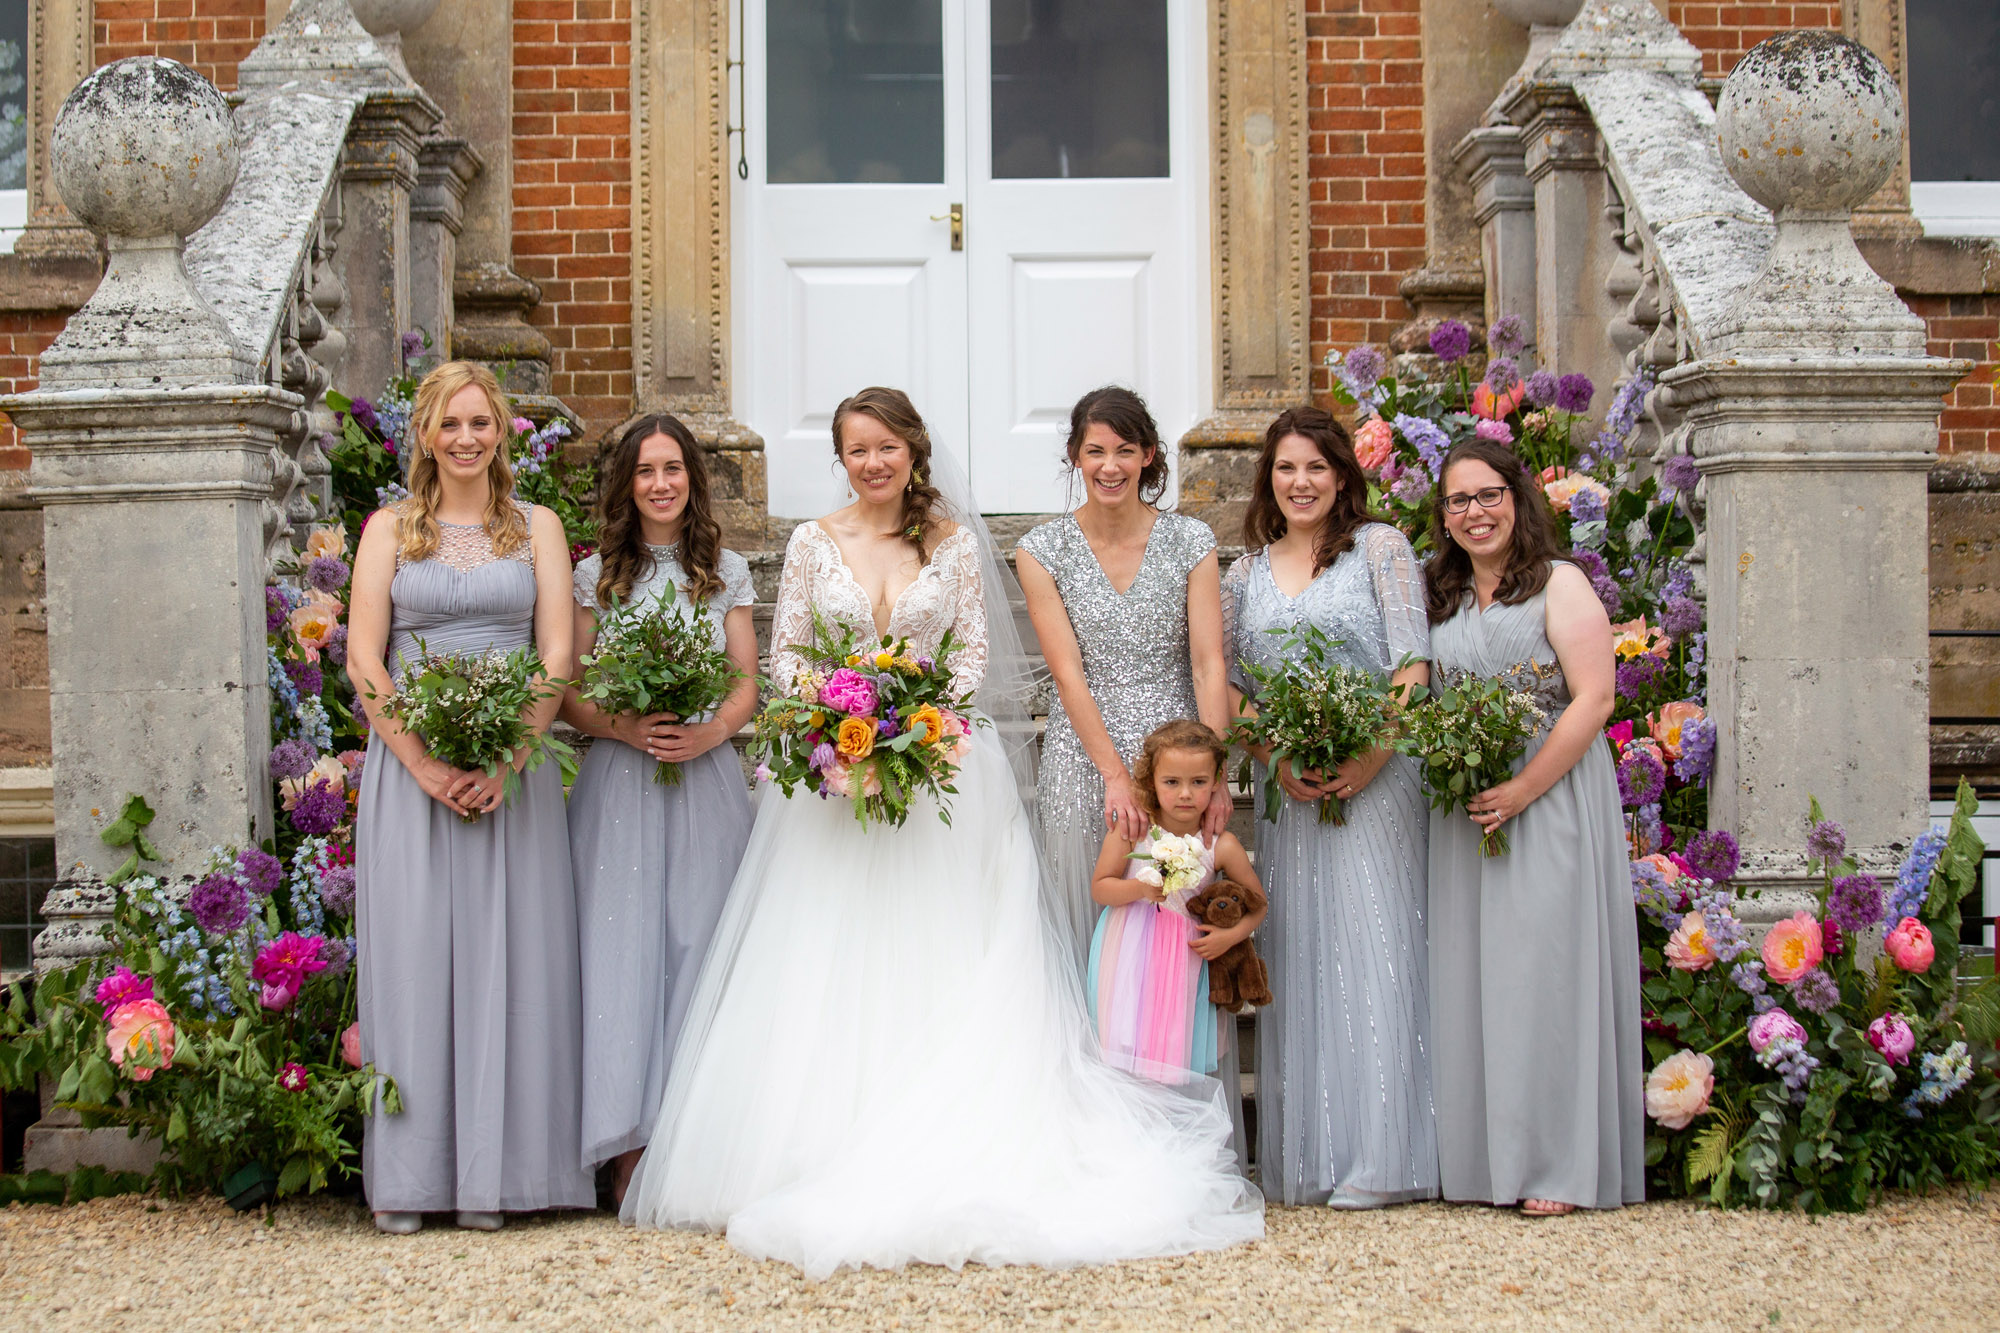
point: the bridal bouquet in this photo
(1468, 736)
(652, 658)
(1173, 865)
(875, 725)
(1314, 713)
(470, 710)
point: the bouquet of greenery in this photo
(1468, 736)
(875, 725)
(470, 710)
(1314, 713)
(656, 658)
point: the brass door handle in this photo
(957, 219)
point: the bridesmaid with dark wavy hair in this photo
(653, 863)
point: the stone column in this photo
(1813, 415)
(59, 55)
(446, 168)
(1260, 220)
(378, 176)
(1503, 204)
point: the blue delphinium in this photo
(1429, 439)
(1913, 880)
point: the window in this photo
(27, 873)
(1954, 74)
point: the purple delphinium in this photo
(292, 759)
(1362, 368)
(1429, 440)
(1855, 902)
(1641, 778)
(276, 608)
(1542, 388)
(336, 890)
(1574, 392)
(1450, 341)
(1502, 375)
(1507, 336)
(1826, 841)
(1714, 854)
(260, 871)
(1679, 473)
(1632, 678)
(1587, 506)
(308, 679)
(219, 904)
(319, 809)
(1913, 879)
(1681, 616)
(1697, 761)
(1816, 991)
(328, 573)
(1748, 977)
(1626, 405)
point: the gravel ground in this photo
(1928, 1263)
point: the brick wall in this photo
(573, 195)
(211, 36)
(1966, 326)
(1725, 30)
(23, 336)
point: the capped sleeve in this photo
(583, 581)
(1399, 590)
(1041, 543)
(737, 587)
(1192, 539)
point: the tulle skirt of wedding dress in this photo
(881, 1065)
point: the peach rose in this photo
(1670, 724)
(856, 738)
(1793, 948)
(136, 1027)
(1374, 444)
(1910, 946)
(1689, 949)
(1678, 1088)
(324, 541)
(930, 720)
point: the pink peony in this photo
(121, 988)
(1620, 733)
(840, 779)
(1891, 1035)
(1677, 1090)
(294, 1077)
(1374, 444)
(141, 1032)
(849, 691)
(1909, 944)
(350, 1045)
(1671, 723)
(283, 965)
(1793, 948)
(522, 425)
(1689, 950)
(1774, 1025)
(1498, 432)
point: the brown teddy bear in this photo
(1236, 981)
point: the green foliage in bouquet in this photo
(1314, 713)
(1466, 736)
(654, 657)
(470, 710)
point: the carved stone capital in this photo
(491, 304)
(387, 137)
(1496, 162)
(446, 168)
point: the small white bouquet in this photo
(1173, 863)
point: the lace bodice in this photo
(667, 571)
(465, 546)
(945, 596)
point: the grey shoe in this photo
(481, 1221)
(399, 1224)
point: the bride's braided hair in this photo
(923, 505)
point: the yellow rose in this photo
(933, 723)
(856, 738)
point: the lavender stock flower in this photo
(1450, 341)
(1431, 443)
(1626, 405)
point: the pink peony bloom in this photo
(283, 965)
(522, 424)
(840, 779)
(1620, 733)
(1678, 1089)
(849, 691)
(1671, 723)
(1499, 432)
(1374, 444)
(294, 1077)
(1793, 948)
(350, 1045)
(1689, 949)
(1909, 944)
(1891, 1035)
(143, 1033)
(1774, 1025)
(121, 988)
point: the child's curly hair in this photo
(1181, 734)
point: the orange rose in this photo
(856, 739)
(932, 722)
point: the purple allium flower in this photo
(336, 647)
(1679, 473)
(413, 345)
(1502, 375)
(1542, 388)
(308, 679)
(328, 573)
(1609, 594)
(1362, 368)
(1641, 778)
(1574, 392)
(364, 416)
(320, 809)
(261, 872)
(1450, 341)
(1826, 841)
(1816, 992)
(219, 904)
(339, 956)
(1697, 761)
(1587, 506)
(276, 608)
(1913, 879)
(336, 890)
(292, 759)
(1714, 854)
(1591, 563)
(1855, 902)
(1681, 616)
(1633, 677)
(1507, 336)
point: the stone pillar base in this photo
(1217, 467)
(491, 304)
(738, 480)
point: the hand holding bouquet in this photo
(1314, 713)
(876, 725)
(1468, 736)
(654, 658)
(470, 710)
(1175, 859)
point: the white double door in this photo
(1065, 134)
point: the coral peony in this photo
(312, 629)
(1670, 725)
(350, 1044)
(1635, 638)
(1374, 444)
(1493, 406)
(121, 988)
(849, 691)
(1910, 946)
(143, 1033)
(1562, 492)
(325, 541)
(1774, 1025)
(1689, 949)
(1677, 1090)
(1792, 948)
(1890, 1034)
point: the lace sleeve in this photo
(958, 558)
(1399, 590)
(791, 623)
(737, 588)
(583, 581)
(1235, 587)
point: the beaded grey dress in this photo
(1536, 1057)
(1343, 1066)
(467, 939)
(1137, 664)
(653, 865)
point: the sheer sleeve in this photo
(1399, 590)
(791, 623)
(958, 559)
(583, 581)
(1235, 588)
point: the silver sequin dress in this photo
(1137, 664)
(1343, 1068)
(653, 865)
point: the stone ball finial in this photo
(383, 17)
(144, 147)
(1538, 13)
(1810, 121)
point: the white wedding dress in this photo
(881, 1063)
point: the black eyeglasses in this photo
(1488, 499)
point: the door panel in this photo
(830, 301)
(1075, 321)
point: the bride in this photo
(886, 1059)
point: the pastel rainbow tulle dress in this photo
(1148, 990)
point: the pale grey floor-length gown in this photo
(1536, 1057)
(1343, 1060)
(467, 939)
(653, 865)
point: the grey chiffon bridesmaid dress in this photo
(467, 939)
(653, 864)
(1536, 1056)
